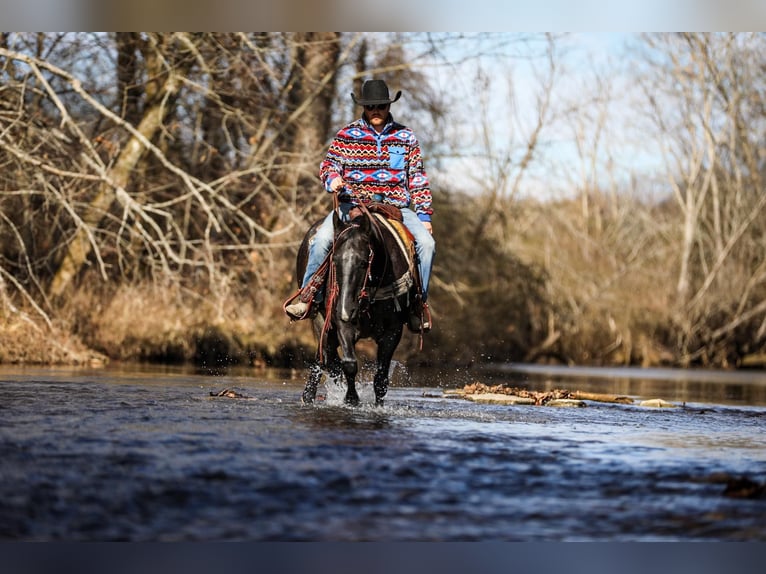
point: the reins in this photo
(377, 230)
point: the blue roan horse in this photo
(368, 290)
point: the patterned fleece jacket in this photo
(388, 164)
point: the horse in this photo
(371, 283)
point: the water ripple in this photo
(159, 459)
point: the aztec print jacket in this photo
(388, 164)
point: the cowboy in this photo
(376, 159)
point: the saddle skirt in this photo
(406, 244)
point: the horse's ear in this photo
(364, 222)
(337, 222)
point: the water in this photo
(148, 454)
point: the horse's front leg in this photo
(310, 390)
(350, 368)
(329, 360)
(386, 346)
(347, 337)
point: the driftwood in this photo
(502, 394)
(657, 404)
(229, 394)
(602, 397)
(499, 399)
(538, 397)
(542, 397)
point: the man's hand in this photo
(337, 183)
(428, 226)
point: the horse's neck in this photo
(391, 259)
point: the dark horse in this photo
(370, 284)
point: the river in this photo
(148, 454)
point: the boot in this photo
(297, 311)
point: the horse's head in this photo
(351, 257)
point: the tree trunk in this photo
(316, 59)
(118, 176)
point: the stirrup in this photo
(427, 322)
(420, 322)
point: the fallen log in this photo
(602, 397)
(505, 395)
(499, 399)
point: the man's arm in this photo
(419, 186)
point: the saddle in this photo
(406, 243)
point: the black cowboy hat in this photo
(375, 92)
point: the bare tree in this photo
(706, 95)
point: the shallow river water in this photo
(148, 454)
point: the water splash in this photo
(335, 386)
(335, 389)
(399, 375)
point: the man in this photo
(376, 159)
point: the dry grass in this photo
(169, 323)
(24, 341)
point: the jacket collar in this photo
(386, 128)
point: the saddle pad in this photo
(404, 238)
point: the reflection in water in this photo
(331, 417)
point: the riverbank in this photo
(25, 342)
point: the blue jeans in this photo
(425, 246)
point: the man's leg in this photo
(319, 247)
(424, 245)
